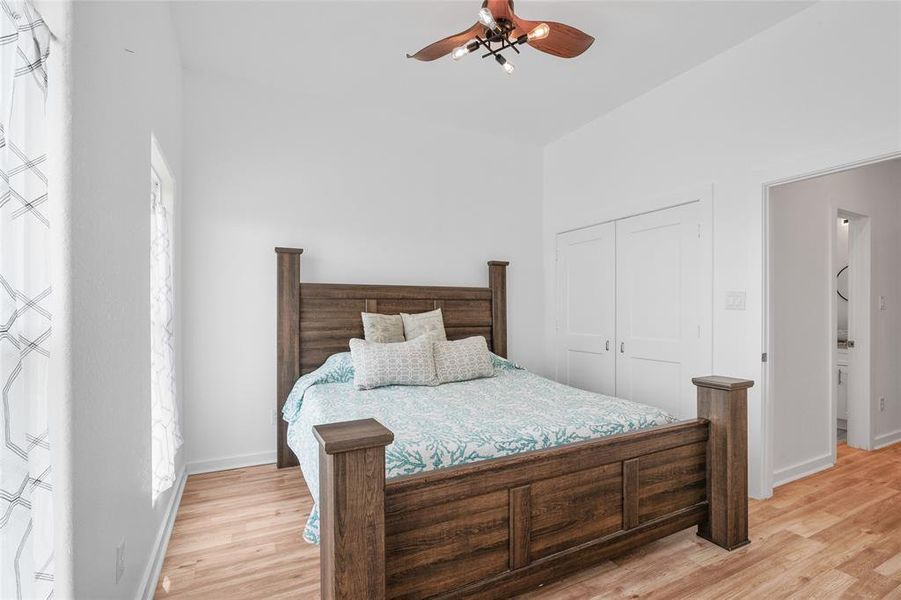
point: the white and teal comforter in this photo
(454, 423)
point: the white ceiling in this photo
(353, 52)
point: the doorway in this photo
(851, 251)
(831, 340)
(840, 266)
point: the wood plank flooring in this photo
(836, 534)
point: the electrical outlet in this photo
(881, 404)
(120, 560)
(273, 417)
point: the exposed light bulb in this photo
(465, 49)
(487, 19)
(507, 65)
(540, 32)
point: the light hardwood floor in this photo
(836, 534)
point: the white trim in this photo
(766, 387)
(155, 565)
(803, 469)
(886, 439)
(231, 462)
(860, 402)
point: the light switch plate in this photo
(736, 300)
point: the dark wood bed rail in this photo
(498, 527)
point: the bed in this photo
(502, 484)
(455, 423)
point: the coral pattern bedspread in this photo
(454, 423)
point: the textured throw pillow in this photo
(405, 363)
(425, 323)
(463, 360)
(385, 329)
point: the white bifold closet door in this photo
(586, 311)
(658, 308)
(629, 308)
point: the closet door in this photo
(658, 306)
(586, 298)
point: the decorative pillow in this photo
(421, 324)
(384, 329)
(463, 360)
(404, 363)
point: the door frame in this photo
(860, 409)
(767, 389)
(703, 195)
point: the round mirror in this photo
(842, 283)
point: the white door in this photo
(658, 308)
(586, 298)
(859, 407)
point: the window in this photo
(166, 436)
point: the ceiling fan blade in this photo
(445, 46)
(500, 9)
(563, 41)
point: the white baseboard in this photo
(155, 565)
(887, 439)
(802, 469)
(231, 462)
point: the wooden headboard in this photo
(316, 320)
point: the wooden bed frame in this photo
(498, 527)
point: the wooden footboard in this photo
(498, 527)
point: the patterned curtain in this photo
(166, 431)
(26, 515)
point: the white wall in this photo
(371, 197)
(803, 217)
(819, 89)
(126, 82)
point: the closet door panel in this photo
(658, 308)
(586, 299)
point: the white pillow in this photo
(425, 323)
(463, 360)
(382, 328)
(404, 363)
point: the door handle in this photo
(839, 376)
(607, 346)
(622, 347)
(850, 343)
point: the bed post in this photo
(352, 509)
(288, 343)
(497, 282)
(723, 401)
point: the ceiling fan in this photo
(499, 29)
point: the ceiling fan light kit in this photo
(499, 29)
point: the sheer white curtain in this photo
(166, 430)
(26, 515)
